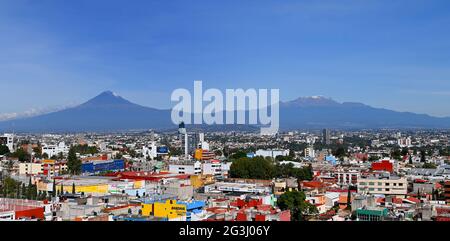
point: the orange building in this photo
(203, 155)
(343, 199)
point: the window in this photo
(371, 183)
(379, 184)
(371, 189)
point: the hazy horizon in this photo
(42, 111)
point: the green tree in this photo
(295, 202)
(349, 199)
(173, 151)
(429, 165)
(423, 156)
(292, 153)
(18, 194)
(4, 192)
(10, 187)
(405, 151)
(54, 188)
(23, 191)
(21, 154)
(238, 155)
(4, 150)
(373, 158)
(37, 152)
(73, 163)
(396, 154)
(85, 149)
(254, 168)
(218, 152)
(340, 152)
(30, 190)
(283, 158)
(35, 192)
(118, 156)
(442, 152)
(309, 172)
(264, 168)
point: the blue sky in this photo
(391, 54)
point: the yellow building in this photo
(88, 189)
(30, 168)
(170, 209)
(198, 154)
(279, 187)
(201, 154)
(138, 184)
(198, 181)
(67, 187)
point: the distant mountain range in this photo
(110, 112)
(320, 112)
(105, 112)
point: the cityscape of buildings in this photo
(188, 175)
(224, 119)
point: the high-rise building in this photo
(183, 138)
(405, 142)
(326, 137)
(189, 141)
(192, 144)
(309, 152)
(8, 140)
(202, 144)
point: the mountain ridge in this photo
(110, 112)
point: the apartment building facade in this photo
(397, 186)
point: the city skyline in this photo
(224, 119)
(58, 55)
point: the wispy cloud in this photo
(32, 112)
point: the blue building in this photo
(193, 207)
(102, 166)
(331, 159)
